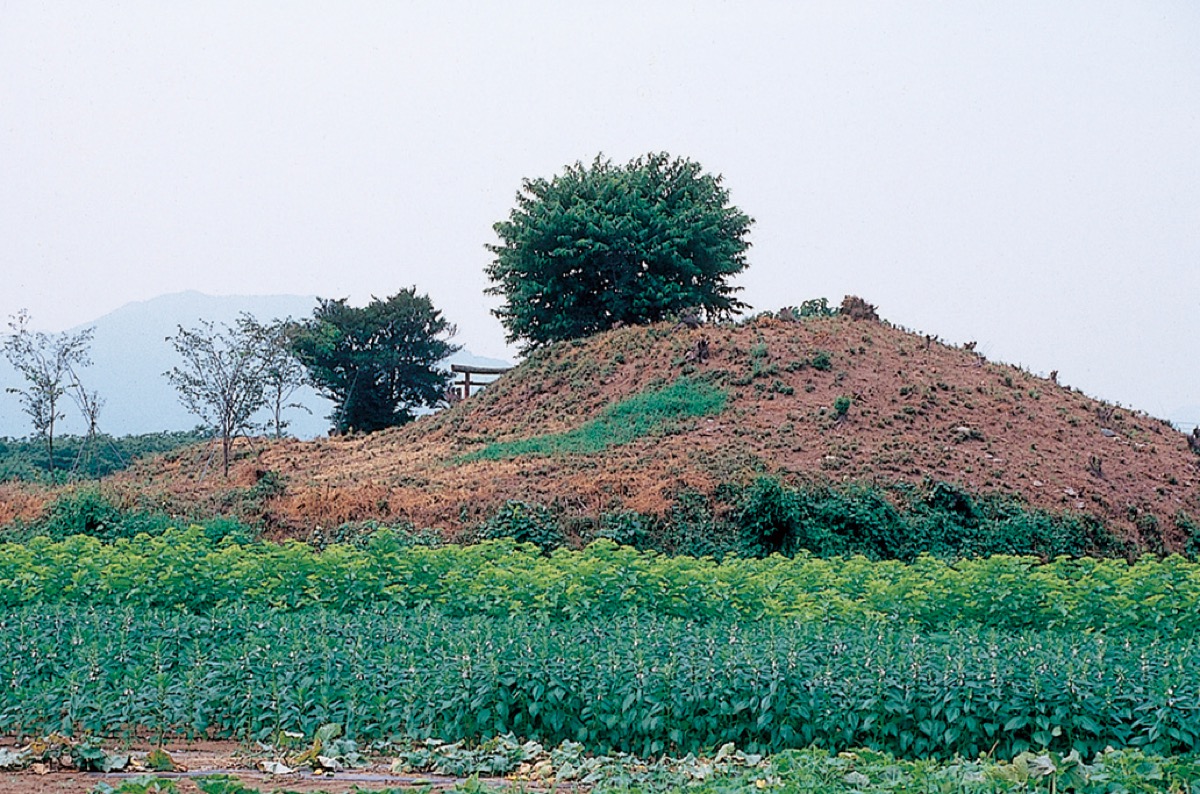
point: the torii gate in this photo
(461, 389)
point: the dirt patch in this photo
(210, 758)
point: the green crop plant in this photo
(185, 571)
(642, 684)
(648, 412)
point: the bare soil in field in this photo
(920, 411)
(209, 758)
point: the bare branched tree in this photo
(89, 403)
(283, 374)
(46, 361)
(222, 378)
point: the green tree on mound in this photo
(379, 362)
(602, 245)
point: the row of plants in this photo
(186, 569)
(636, 684)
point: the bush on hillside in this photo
(856, 308)
(89, 511)
(524, 522)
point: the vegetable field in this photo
(184, 570)
(642, 684)
(608, 649)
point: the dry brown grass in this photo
(918, 410)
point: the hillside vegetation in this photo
(649, 420)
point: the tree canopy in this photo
(602, 244)
(379, 362)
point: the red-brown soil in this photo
(920, 411)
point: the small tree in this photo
(283, 374)
(89, 403)
(222, 378)
(379, 362)
(604, 244)
(47, 362)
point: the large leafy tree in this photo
(603, 244)
(379, 362)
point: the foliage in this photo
(190, 571)
(641, 684)
(625, 528)
(140, 784)
(48, 363)
(817, 307)
(524, 523)
(222, 379)
(377, 363)
(648, 412)
(26, 460)
(937, 518)
(821, 360)
(605, 244)
(806, 771)
(90, 512)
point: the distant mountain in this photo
(130, 353)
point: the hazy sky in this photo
(1026, 175)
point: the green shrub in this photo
(525, 523)
(937, 518)
(692, 527)
(1191, 530)
(225, 528)
(817, 307)
(88, 511)
(80, 458)
(822, 360)
(769, 521)
(626, 528)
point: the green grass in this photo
(643, 414)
